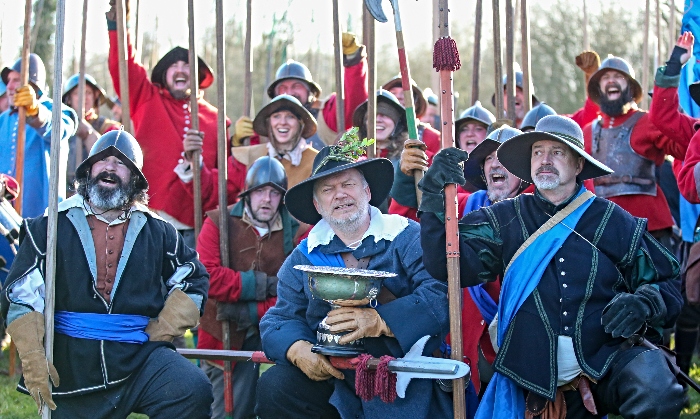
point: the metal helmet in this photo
(73, 81)
(119, 144)
(37, 71)
(294, 70)
(265, 171)
(518, 83)
(385, 96)
(476, 113)
(473, 167)
(419, 101)
(620, 65)
(534, 115)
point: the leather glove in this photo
(26, 98)
(238, 313)
(350, 44)
(243, 128)
(360, 322)
(316, 366)
(192, 142)
(588, 61)
(178, 314)
(447, 168)
(413, 157)
(265, 286)
(28, 334)
(627, 313)
(112, 13)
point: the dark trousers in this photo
(167, 386)
(638, 385)
(284, 391)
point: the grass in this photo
(15, 405)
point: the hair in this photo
(137, 195)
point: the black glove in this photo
(627, 313)
(447, 168)
(238, 313)
(265, 286)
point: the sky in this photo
(312, 21)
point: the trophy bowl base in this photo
(336, 351)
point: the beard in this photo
(350, 224)
(500, 192)
(546, 182)
(615, 107)
(105, 198)
(179, 94)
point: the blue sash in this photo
(503, 398)
(483, 301)
(126, 328)
(318, 258)
(478, 199)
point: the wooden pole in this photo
(645, 59)
(81, 87)
(671, 25)
(658, 35)
(368, 27)
(54, 167)
(339, 70)
(454, 290)
(510, 53)
(586, 40)
(123, 66)
(526, 67)
(434, 75)
(194, 117)
(498, 69)
(476, 60)
(248, 70)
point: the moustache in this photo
(108, 176)
(548, 168)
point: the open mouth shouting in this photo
(108, 179)
(181, 81)
(498, 177)
(613, 91)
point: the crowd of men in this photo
(569, 251)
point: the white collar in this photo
(293, 156)
(381, 226)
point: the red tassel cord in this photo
(364, 378)
(445, 55)
(385, 383)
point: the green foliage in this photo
(350, 147)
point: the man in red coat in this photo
(160, 112)
(624, 138)
(261, 235)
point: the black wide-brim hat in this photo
(206, 74)
(285, 103)
(515, 154)
(473, 167)
(694, 90)
(379, 174)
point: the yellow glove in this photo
(243, 128)
(350, 45)
(361, 322)
(316, 366)
(28, 334)
(26, 98)
(588, 61)
(413, 157)
(178, 314)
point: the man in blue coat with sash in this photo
(340, 198)
(580, 277)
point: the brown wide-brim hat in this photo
(515, 154)
(285, 103)
(379, 174)
(206, 75)
(419, 100)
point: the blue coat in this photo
(420, 309)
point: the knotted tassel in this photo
(364, 378)
(445, 55)
(385, 383)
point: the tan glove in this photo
(28, 335)
(243, 128)
(316, 366)
(361, 322)
(413, 157)
(112, 13)
(350, 45)
(26, 98)
(179, 314)
(588, 61)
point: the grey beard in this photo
(107, 199)
(497, 195)
(546, 184)
(351, 224)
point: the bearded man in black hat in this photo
(160, 112)
(580, 277)
(340, 198)
(126, 285)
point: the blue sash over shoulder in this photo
(318, 258)
(126, 328)
(503, 398)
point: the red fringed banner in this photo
(445, 55)
(371, 383)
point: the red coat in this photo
(160, 122)
(664, 114)
(647, 141)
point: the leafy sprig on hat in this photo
(350, 147)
